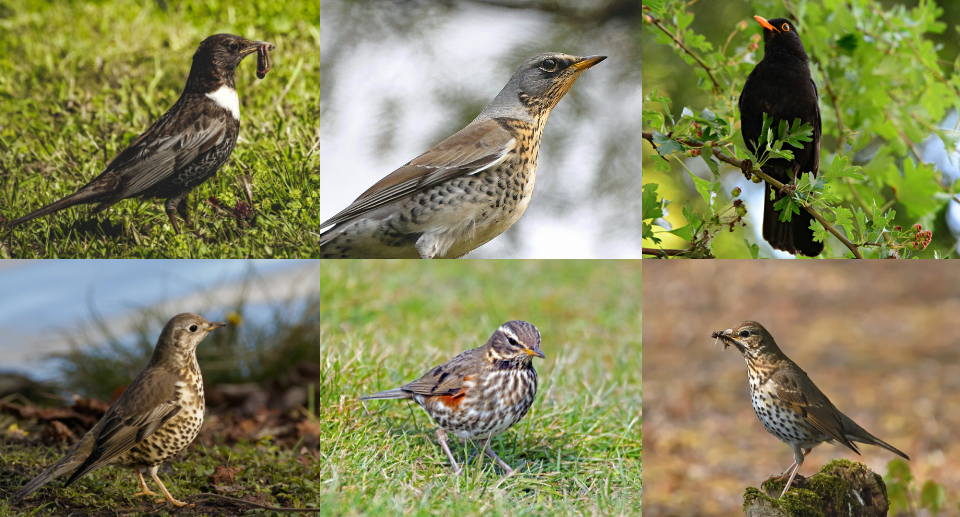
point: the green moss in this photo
(796, 503)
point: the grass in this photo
(374, 325)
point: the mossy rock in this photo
(841, 488)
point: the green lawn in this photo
(373, 325)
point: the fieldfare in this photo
(467, 189)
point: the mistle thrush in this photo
(155, 418)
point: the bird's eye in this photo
(744, 333)
(193, 328)
(548, 65)
(513, 342)
(234, 46)
(785, 27)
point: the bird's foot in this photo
(178, 504)
(146, 492)
(788, 189)
(745, 167)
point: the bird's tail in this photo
(793, 237)
(80, 197)
(72, 460)
(858, 434)
(396, 393)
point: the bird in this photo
(184, 147)
(480, 393)
(467, 189)
(788, 403)
(781, 86)
(154, 419)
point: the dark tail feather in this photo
(77, 198)
(794, 237)
(44, 478)
(396, 393)
(854, 432)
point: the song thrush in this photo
(155, 418)
(788, 403)
(467, 189)
(480, 393)
(184, 147)
(780, 86)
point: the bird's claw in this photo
(146, 492)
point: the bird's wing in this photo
(164, 149)
(810, 403)
(448, 378)
(474, 148)
(147, 403)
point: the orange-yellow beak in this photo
(765, 24)
(587, 62)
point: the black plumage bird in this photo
(780, 86)
(184, 147)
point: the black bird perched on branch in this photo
(780, 86)
(184, 147)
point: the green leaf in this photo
(706, 152)
(787, 206)
(655, 5)
(665, 144)
(844, 218)
(650, 203)
(685, 233)
(841, 168)
(702, 186)
(933, 496)
(820, 233)
(752, 248)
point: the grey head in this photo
(178, 341)
(515, 342)
(538, 85)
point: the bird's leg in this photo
(503, 464)
(170, 207)
(184, 213)
(144, 489)
(442, 438)
(166, 494)
(798, 454)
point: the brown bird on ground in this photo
(480, 393)
(155, 418)
(184, 147)
(788, 403)
(467, 189)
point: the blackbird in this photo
(184, 147)
(780, 86)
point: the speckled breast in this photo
(175, 435)
(488, 408)
(781, 421)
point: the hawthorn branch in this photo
(740, 164)
(664, 253)
(656, 22)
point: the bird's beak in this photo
(214, 325)
(588, 62)
(765, 24)
(727, 337)
(536, 352)
(256, 45)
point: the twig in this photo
(723, 157)
(664, 253)
(656, 21)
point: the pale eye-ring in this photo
(785, 27)
(234, 46)
(193, 328)
(548, 65)
(744, 333)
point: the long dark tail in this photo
(858, 434)
(793, 237)
(77, 198)
(396, 393)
